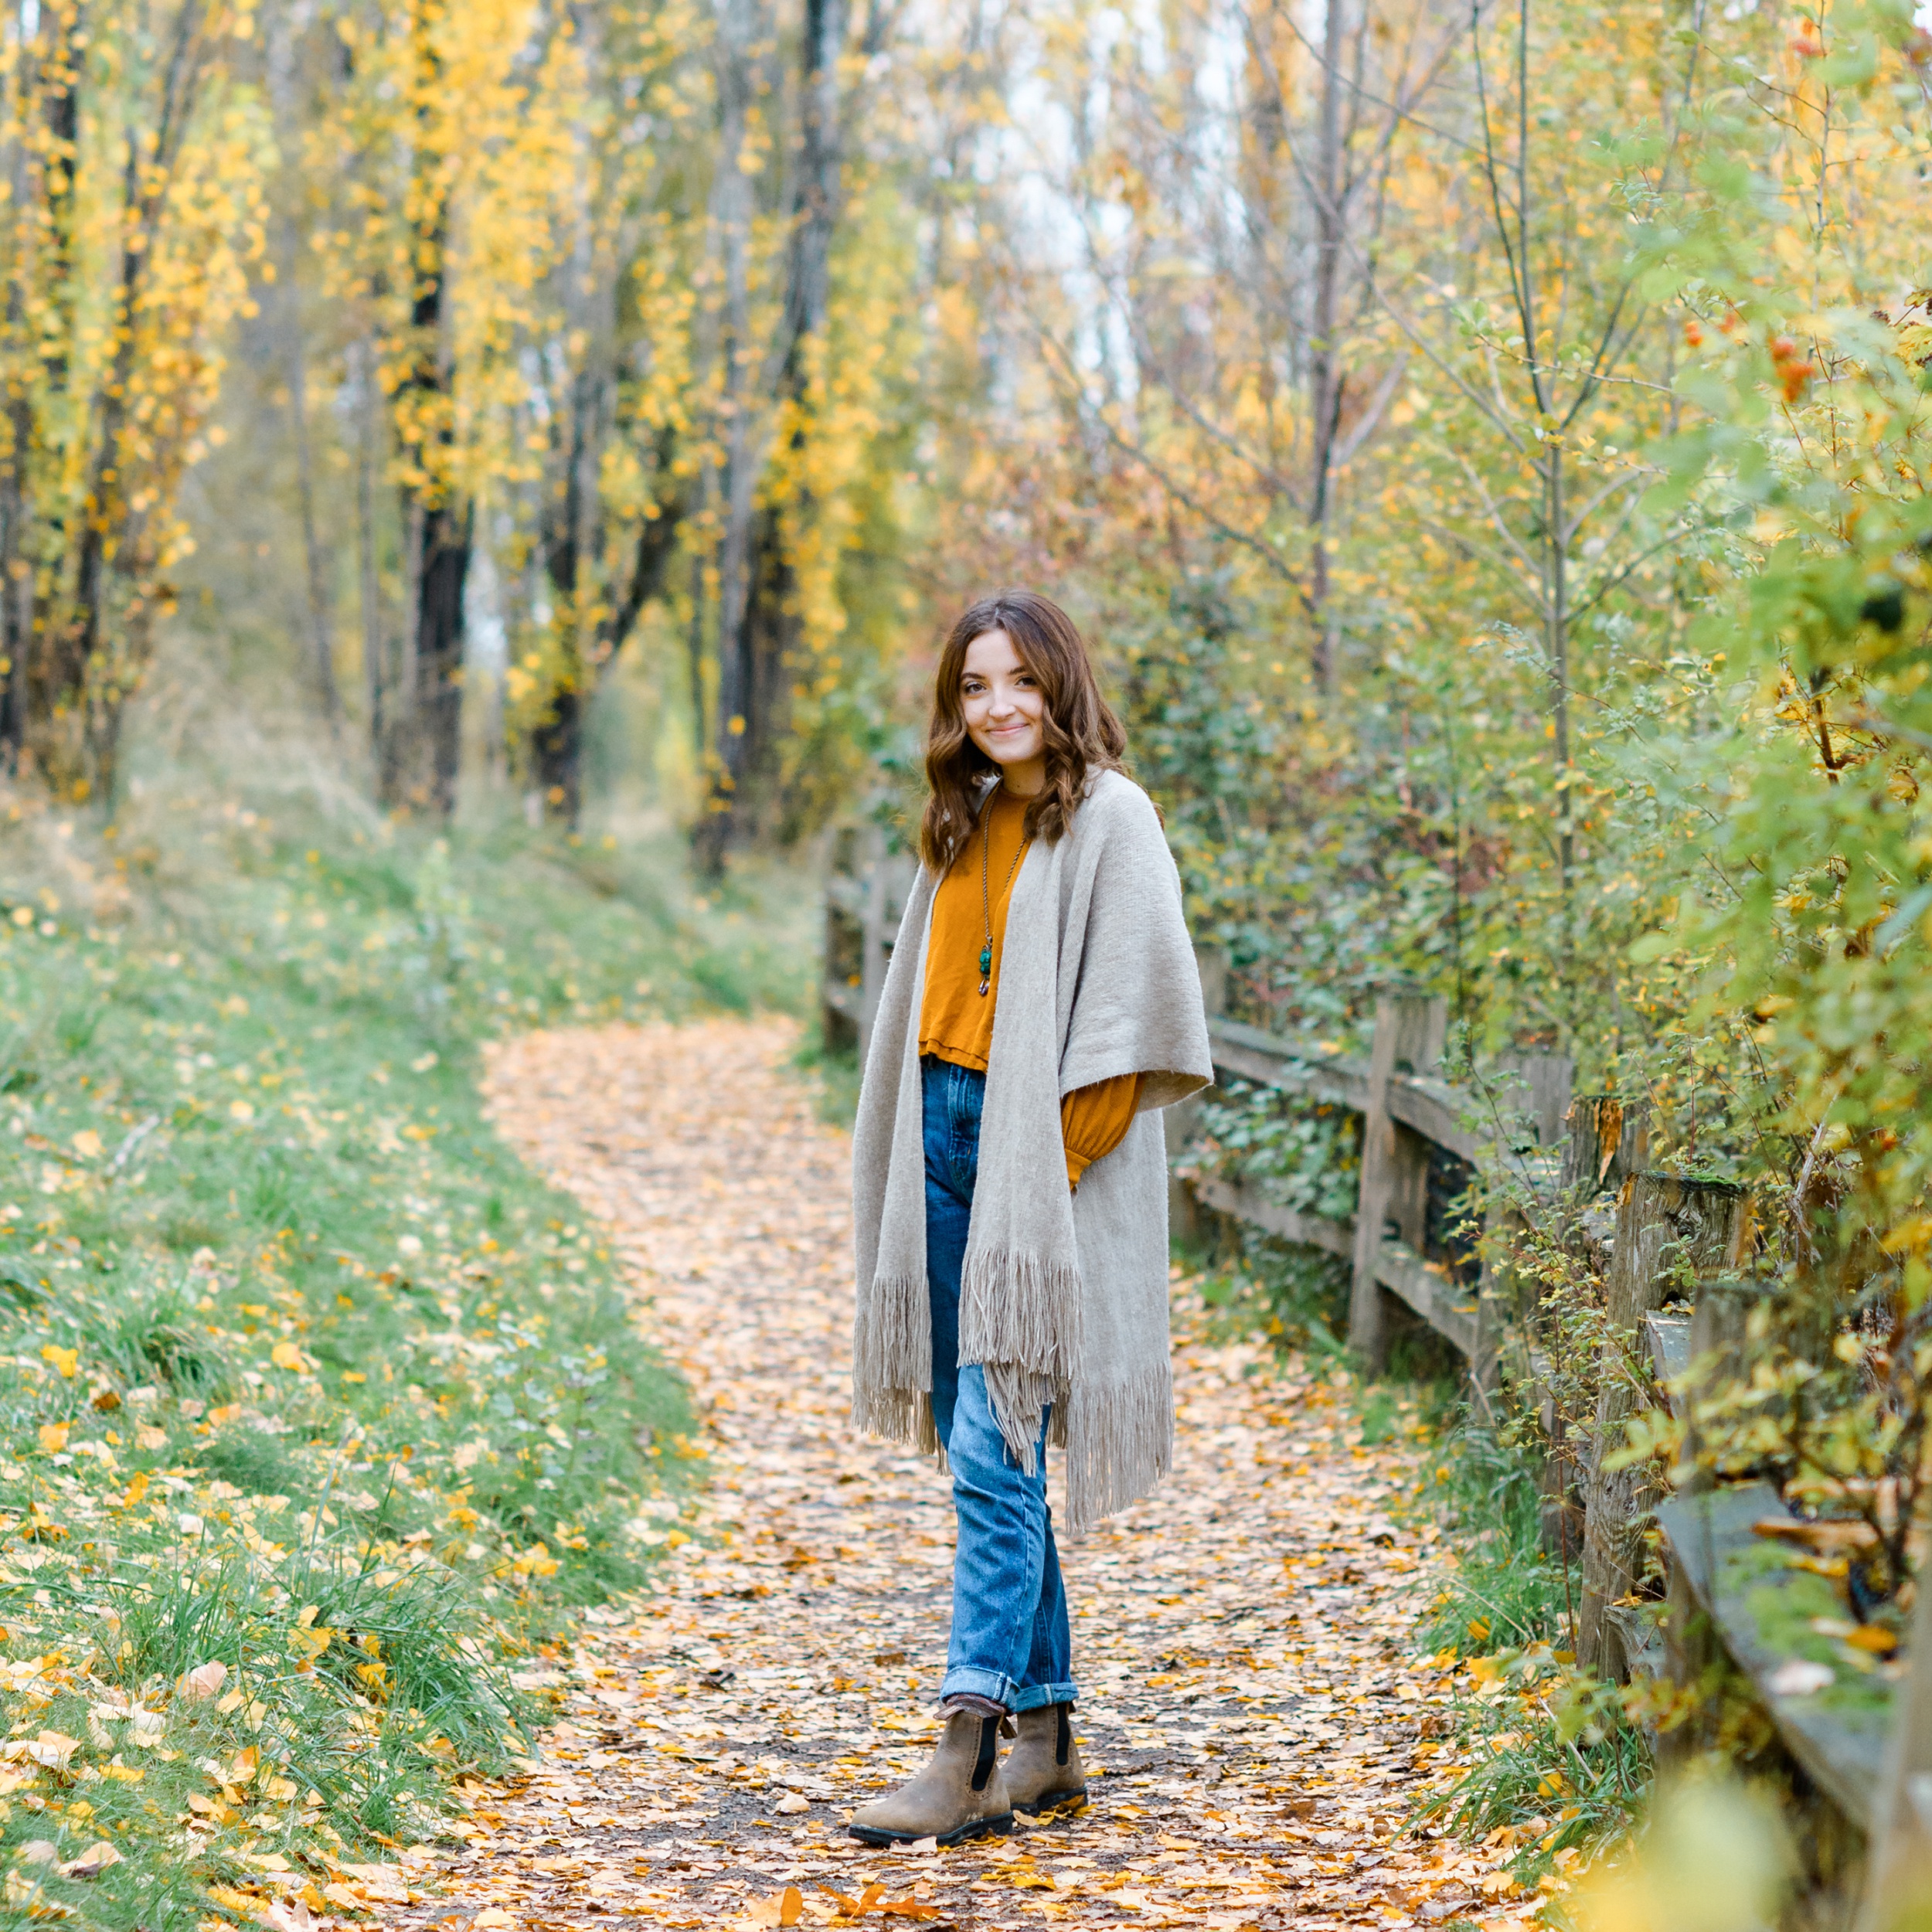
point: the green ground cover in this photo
(318, 1412)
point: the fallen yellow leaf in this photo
(205, 1680)
(91, 1862)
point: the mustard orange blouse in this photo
(956, 1021)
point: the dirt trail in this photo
(1258, 1729)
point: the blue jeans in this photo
(1010, 1639)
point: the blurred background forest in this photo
(482, 482)
(1454, 427)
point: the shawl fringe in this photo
(892, 1369)
(899, 1415)
(1119, 1442)
(1019, 1315)
(893, 1337)
(1022, 1309)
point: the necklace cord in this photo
(985, 894)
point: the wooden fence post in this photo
(1606, 1140)
(1535, 1089)
(1899, 1891)
(1662, 1221)
(1609, 1141)
(1410, 1030)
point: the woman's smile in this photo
(1004, 708)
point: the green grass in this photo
(302, 1375)
(1552, 1758)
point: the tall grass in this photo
(1552, 1762)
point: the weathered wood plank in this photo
(1437, 1110)
(1246, 1202)
(1841, 1744)
(1669, 1338)
(1337, 1078)
(1450, 1311)
(1899, 1895)
(1432, 1108)
(1641, 1640)
(1449, 1115)
(1534, 1092)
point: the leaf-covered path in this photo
(1258, 1727)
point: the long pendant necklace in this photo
(986, 896)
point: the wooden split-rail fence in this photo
(1519, 1131)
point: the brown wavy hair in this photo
(1082, 733)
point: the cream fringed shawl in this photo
(1064, 1296)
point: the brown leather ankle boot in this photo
(961, 1794)
(1044, 1770)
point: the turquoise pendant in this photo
(985, 970)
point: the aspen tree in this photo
(134, 163)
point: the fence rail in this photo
(1521, 1121)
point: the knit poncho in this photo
(1064, 1296)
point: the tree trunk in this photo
(440, 518)
(108, 545)
(43, 692)
(382, 735)
(16, 569)
(1325, 379)
(758, 623)
(732, 207)
(442, 572)
(1556, 548)
(284, 105)
(322, 650)
(694, 658)
(556, 744)
(556, 756)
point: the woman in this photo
(1010, 1182)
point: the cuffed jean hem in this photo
(1036, 1695)
(964, 1680)
(968, 1680)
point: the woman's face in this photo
(1004, 707)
